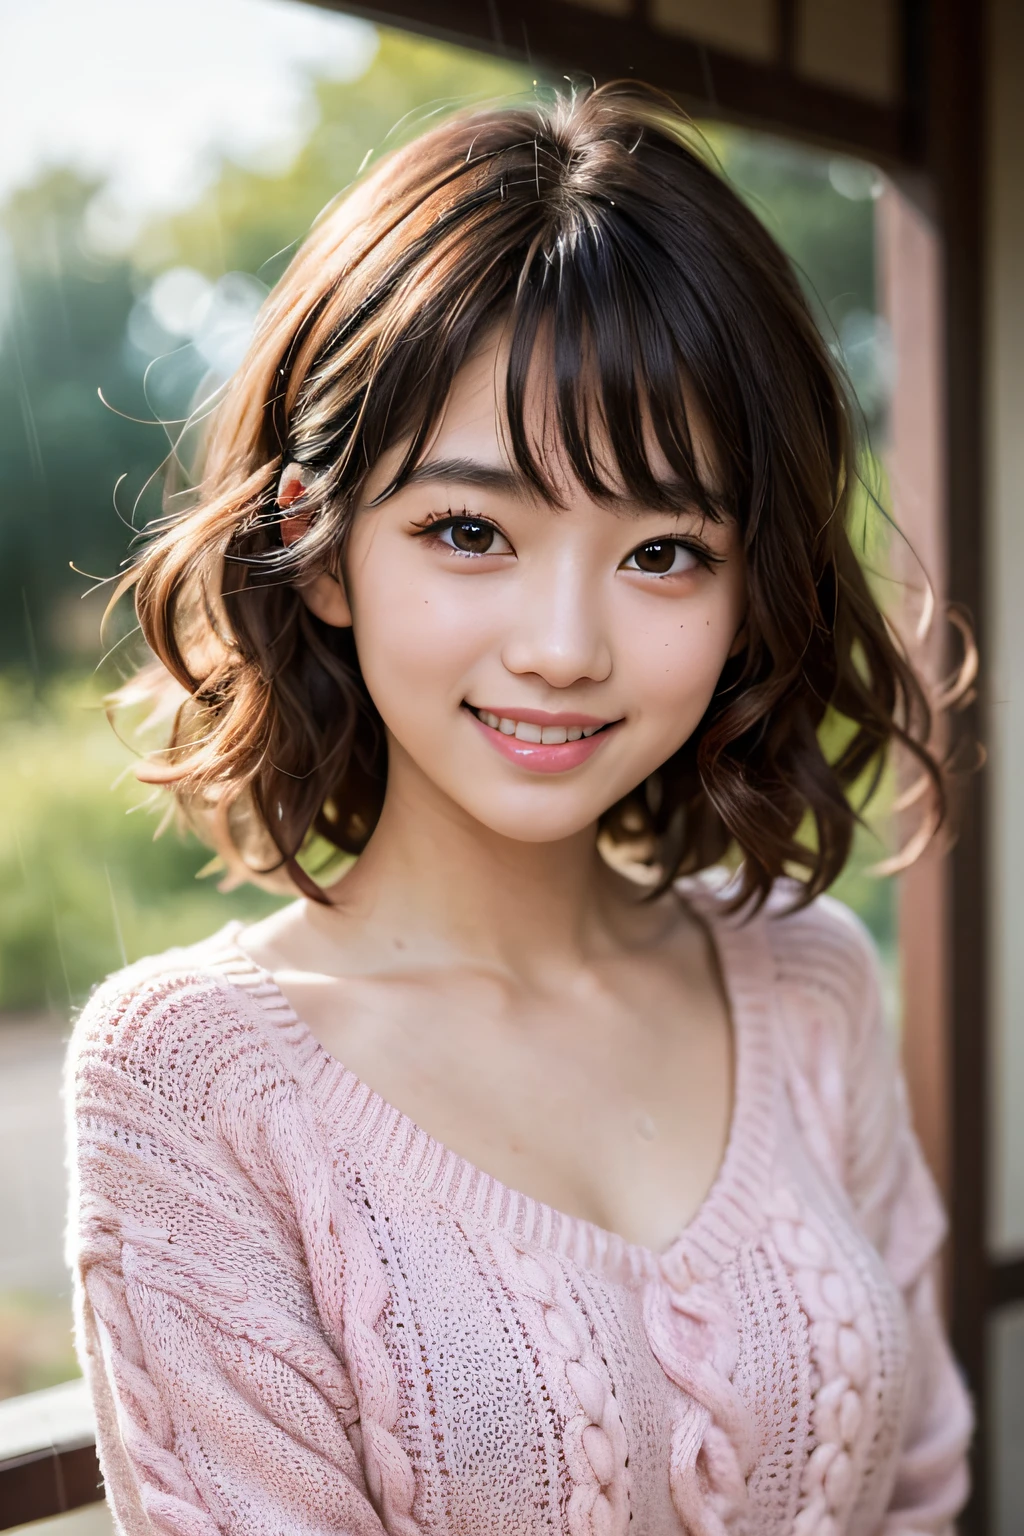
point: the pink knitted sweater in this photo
(300, 1314)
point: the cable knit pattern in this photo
(694, 1337)
(593, 1439)
(841, 1353)
(299, 1314)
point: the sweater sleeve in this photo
(900, 1210)
(222, 1404)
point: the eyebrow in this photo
(506, 481)
(488, 477)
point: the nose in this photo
(559, 632)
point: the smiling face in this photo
(533, 663)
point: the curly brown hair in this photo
(595, 218)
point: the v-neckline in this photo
(733, 1205)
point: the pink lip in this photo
(535, 755)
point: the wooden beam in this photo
(956, 162)
(569, 38)
(41, 1484)
(786, 31)
(909, 263)
(1006, 1283)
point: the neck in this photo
(441, 888)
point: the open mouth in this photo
(534, 733)
(545, 743)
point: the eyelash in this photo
(437, 522)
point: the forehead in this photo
(473, 424)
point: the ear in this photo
(325, 598)
(323, 595)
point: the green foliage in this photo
(250, 222)
(829, 237)
(872, 896)
(36, 1348)
(60, 451)
(83, 886)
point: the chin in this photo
(531, 824)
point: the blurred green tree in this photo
(61, 452)
(249, 222)
(828, 233)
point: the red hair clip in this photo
(293, 485)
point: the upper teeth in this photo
(525, 730)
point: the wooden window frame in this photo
(49, 1482)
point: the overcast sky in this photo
(146, 91)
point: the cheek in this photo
(416, 637)
(677, 657)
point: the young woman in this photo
(538, 1174)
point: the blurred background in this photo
(160, 163)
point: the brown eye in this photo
(656, 558)
(471, 537)
(467, 536)
(661, 557)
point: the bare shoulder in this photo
(281, 941)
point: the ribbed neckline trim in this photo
(732, 1209)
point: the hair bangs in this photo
(589, 303)
(603, 371)
(613, 376)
